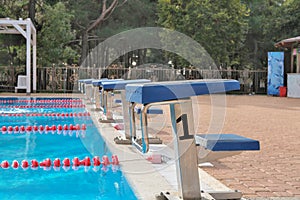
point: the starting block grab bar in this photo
(144, 147)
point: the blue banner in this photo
(275, 72)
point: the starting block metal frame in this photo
(100, 98)
(85, 87)
(176, 94)
(120, 86)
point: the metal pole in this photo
(292, 59)
(298, 60)
(28, 58)
(97, 97)
(108, 99)
(126, 117)
(144, 127)
(102, 100)
(132, 121)
(34, 81)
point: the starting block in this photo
(177, 94)
(85, 87)
(119, 85)
(100, 97)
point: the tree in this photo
(13, 9)
(134, 14)
(269, 22)
(286, 22)
(256, 44)
(219, 26)
(56, 35)
(11, 45)
(92, 15)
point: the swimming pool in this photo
(83, 183)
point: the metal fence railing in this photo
(65, 79)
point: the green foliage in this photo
(55, 35)
(286, 20)
(84, 12)
(133, 14)
(257, 43)
(236, 33)
(14, 9)
(269, 22)
(219, 26)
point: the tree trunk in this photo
(84, 47)
(106, 12)
(32, 10)
(31, 14)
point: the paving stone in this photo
(283, 194)
(265, 194)
(276, 189)
(293, 191)
(259, 189)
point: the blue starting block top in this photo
(171, 90)
(99, 82)
(86, 81)
(151, 110)
(120, 85)
(226, 142)
(117, 101)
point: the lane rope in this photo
(79, 105)
(66, 163)
(10, 101)
(79, 130)
(58, 115)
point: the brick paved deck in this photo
(274, 171)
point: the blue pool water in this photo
(45, 185)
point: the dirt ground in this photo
(274, 171)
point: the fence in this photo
(65, 79)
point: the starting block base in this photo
(119, 140)
(110, 120)
(207, 195)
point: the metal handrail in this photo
(144, 148)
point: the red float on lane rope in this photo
(15, 164)
(96, 161)
(25, 164)
(66, 162)
(34, 164)
(22, 129)
(4, 129)
(56, 162)
(5, 164)
(105, 161)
